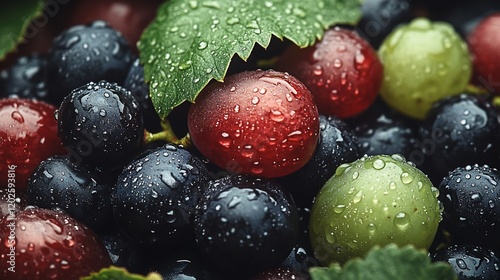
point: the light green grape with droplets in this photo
(376, 200)
(423, 62)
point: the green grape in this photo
(423, 62)
(376, 200)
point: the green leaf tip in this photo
(388, 263)
(118, 273)
(191, 42)
(15, 19)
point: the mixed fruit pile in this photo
(385, 131)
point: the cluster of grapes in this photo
(380, 133)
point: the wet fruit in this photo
(423, 62)
(79, 190)
(471, 200)
(460, 130)
(263, 123)
(86, 53)
(156, 194)
(483, 44)
(28, 135)
(470, 262)
(48, 244)
(342, 71)
(245, 224)
(100, 124)
(376, 200)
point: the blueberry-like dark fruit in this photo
(100, 124)
(86, 53)
(245, 224)
(156, 195)
(81, 192)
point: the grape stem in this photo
(168, 135)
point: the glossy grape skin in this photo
(470, 262)
(28, 135)
(423, 62)
(100, 124)
(460, 130)
(244, 224)
(342, 71)
(483, 43)
(156, 194)
(50, 245)
(263, 123)
(26, 78)
(376, 200)
(79, 190)
(471, 200)
(86, 53)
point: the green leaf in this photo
(15, 18)
(118, 273)
(388, 263)
(192, 42)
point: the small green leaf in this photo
(15, 18)
(388, 263)
(118, 273)
(192, 42)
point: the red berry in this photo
(483, 45)
(48, 245)
(28, 135)
(263, 123)
(342, 71)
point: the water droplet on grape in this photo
(378, 164)
(401, 220)
(406, 178)
(339, 208)
(357, 197)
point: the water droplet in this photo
(357, 197)
(372, 228)
(255, 100)
(355, 175)
(341, 169)
(17, 116)
(276, 115)
(154, 194)
(225, 140)
(339, 208)
(378, 164)
(232, 20)
(193, 4)
(202, 45)
(337, 63)
(235, 200)
(401, 220)
(435, 191)
(31, 247)
(247, 151)
(476, 197)
(318, 70)
(406, 178)
(72, 41)
(461, 264)
(47, 174)
(64, 264)
(330, 237)
(170, 217)
(392, 185)
(102, 113)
